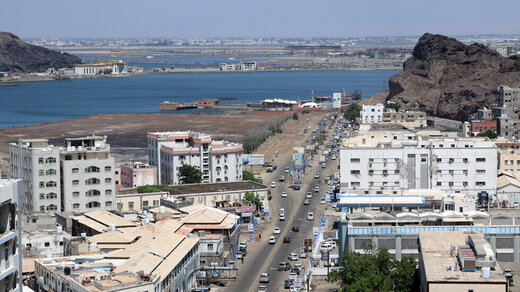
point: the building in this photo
(408, 119)
(384, 163)
(87, 175)
(372, 113)
(507, 111)
(135, 174)
(37, 164)
(461, 261)
(44, 243)
(207, 103)
(481, 126)
(134, 201)
(219, 161)
(508, 189)
(442, 123)
(242, 66)
(10, 236)
(508, 155)
(101, 67)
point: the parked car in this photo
(292, 256)
(276, 230)
(287, 283)
(316, 189)
(284, 266)
(264, 278)
(323, 201)
(282, 217)
(272, 240)
(508, 273)
(287, 239)
(243, 250)
(303, 255)
(242, 244)
(296, 187)
(295, 228)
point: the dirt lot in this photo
(126, 132)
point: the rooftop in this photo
(217, 187)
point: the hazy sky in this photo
(256, 18)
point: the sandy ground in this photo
(126, 133)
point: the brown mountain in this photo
(447, 78)
(19, 56)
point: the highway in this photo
(267, 257)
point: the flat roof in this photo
(437, 258)
(375, 201)
(217, 187)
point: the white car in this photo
(273, 184)
(323, 201)
(276, 230)
(317, 175)
(309, 195)
(282, 211)
(303, 255)
(317, 189)
(286, 170)
(284, 194)
(262, 289)
(310, 216)
(272, 240)
(323, 165)
(292, 256)
(333, 157)
(282, 217)
(242, 244)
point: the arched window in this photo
(75, 170)
(42, 208)
(91, 169)
(75, 194)
(50, 160)
(75, 182)
(50, 172)
(75, 206)
(92, 193)
(92, 181)
(108, 192)
(108, 168)
(50, 184)
(108, 203)
(93, 205)
(52, 207)
(108, 180)
(52, 196)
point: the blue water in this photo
(38, 102)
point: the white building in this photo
(101, 67)
(88, 179)
(391, 163)
(10, 228)
(36, 163)
(372, 113)
(219, 161)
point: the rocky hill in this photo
(19, 56)
(447, 78)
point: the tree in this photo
(247, 175)
(190, 174)
(352, 111)
(394, 105)
(295, 116)
(375, 271)
(490, 134)
(154, 188)
(1, 75)
(252, 199)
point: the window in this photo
(131, 205)
(355, 160)
(396, 171)
(75, 206)
(41, 172)
(93, 205)
(50, 172)
(42, 208)
(52, 196)
(465, 183)
(370, 172)
(439, 183)
(108, 168)
(75, 194)
(108, 180)
(481, 159)
(439, 159)
(92, 181)
(42, 196)
(42, 184)
(50, 160)
(52, 207)
(452, 160)
(210, 246)
(423, 159)
(156, 202)
(465, 160)
(75, 170)
(47, 244)
(75, 182)
(108, 192)
(108, 203)
(50, 184)
(451, 183)
(40, 160)
(91, 169)
(355, 171)
(356, 184)
(481, 183)
(92, 193)
(481, 171)
(145, 203)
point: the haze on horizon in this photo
(266, 18)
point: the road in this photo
(267, 257)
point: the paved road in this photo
(267, 257)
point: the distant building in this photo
(482, 126)
(372, 113)
(408, 119)
(458, 261)
(10, 236)
(508, 155)
(242, 66)
(219, 161)
(201, 103)
(135, 174)
(100, 67)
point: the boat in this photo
(7, 84)
(149, 57)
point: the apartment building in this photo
(135, 174)
(408, 119)
(37, 164)
(372, 113)
(10, 236)
(384, 163)
(87, 172)
(481, 126)
(508, 156)
(219, 161)
(505, 113)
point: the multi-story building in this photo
(372, 113)
(507, 111)
(101, 67)
(219, 161)
(87, 175)
(408, 119)
(508, 156)
(481, 126)
(135, 174)
(391, 163)
(10, 236)
(36, 163)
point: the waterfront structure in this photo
(219, 161)
(101, 67)
(384, 163)
(461, 261)
(242, 66)
(135, 174)
(372, 113)
(37, 164)
(87, 172)
(10, 235)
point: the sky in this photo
(256, 18)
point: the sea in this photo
(48, 101)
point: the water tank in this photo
(190, 235)
(162, 209)
(83, 235)
(486, 271)
(59, 229)
(146, 221)
(112, 227)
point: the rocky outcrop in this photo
(19, 56)
(449, 79)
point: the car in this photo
(282, 211)
(284, 266)
(292, 256)
(287, 239)
(282, 217)
(262, 289)
(286, 170)
(323, 201)
(293, 276)
(281, 178)
(310, 216)
(309, 195)
(296, 187)
(272, 240)
(316, 189)
(243, 250)
(333, 157)
(323, 165)
(508, 273)
(303, 255)
(284, 194)
(273, 184)
(287, 283)
(317, 175)
(239, 255)
(306, 202)
(264, 278)
(295, 228)
(276, 230)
